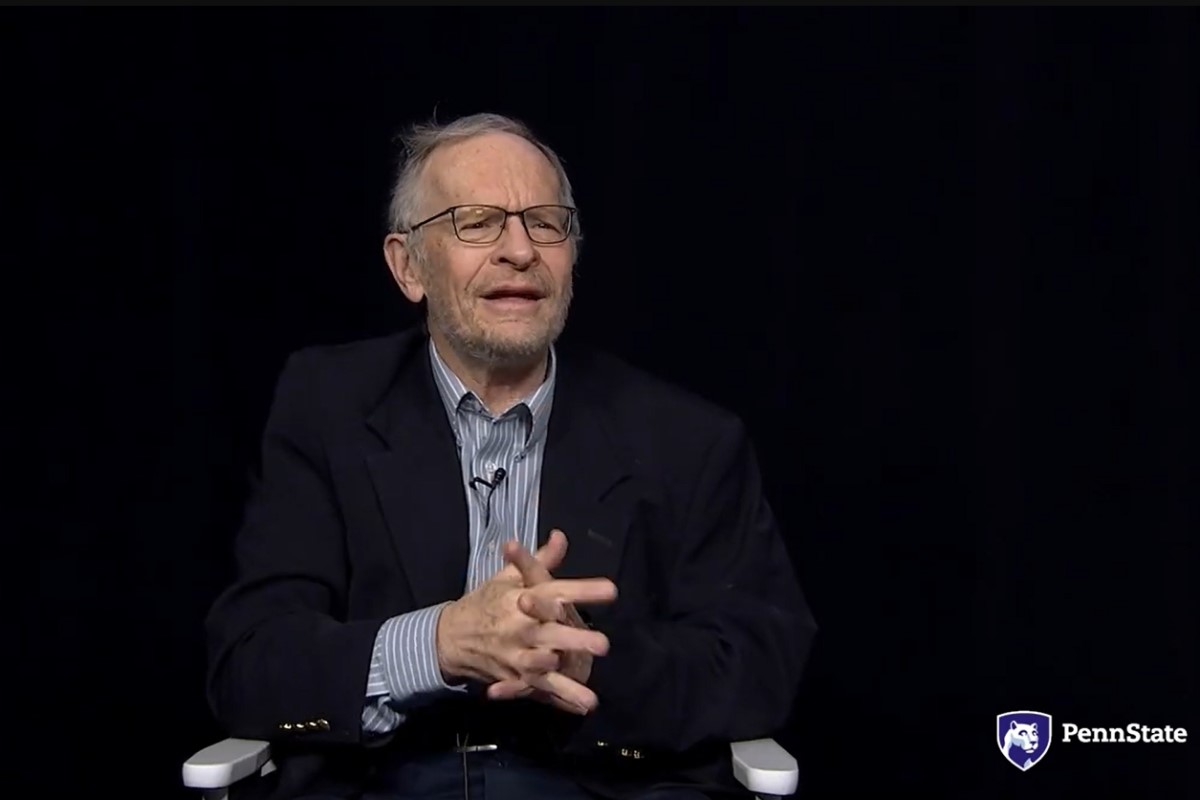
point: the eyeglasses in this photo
(484, 224)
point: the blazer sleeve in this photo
(724, 662)
(282, 663)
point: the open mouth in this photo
(513, 296)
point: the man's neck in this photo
(498, 387)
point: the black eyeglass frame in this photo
(569, 228)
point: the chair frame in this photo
(761, 765)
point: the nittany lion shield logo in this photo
(1023, 736)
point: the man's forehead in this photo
(492, 168)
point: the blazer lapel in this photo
(418, 480)
(585, 491)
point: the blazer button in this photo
(287, 726)
(323, 724)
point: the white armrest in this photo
(225, 763)
(763, 767)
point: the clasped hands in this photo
(520, 632)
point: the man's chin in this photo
(515, 352)
(505, 342)
(517, 335)
(502, 350)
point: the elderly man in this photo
(481, 565)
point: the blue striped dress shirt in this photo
(404, 666)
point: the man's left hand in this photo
(576, 666)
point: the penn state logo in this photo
(1023, 737)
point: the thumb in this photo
(551, 554)
(534, 569)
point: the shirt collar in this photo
(457, 397)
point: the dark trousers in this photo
(494, 775)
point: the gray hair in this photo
(422, 139)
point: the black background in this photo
(939, 260)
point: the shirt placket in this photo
(494, 508)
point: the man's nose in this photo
(515, 247)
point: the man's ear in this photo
(403, 268)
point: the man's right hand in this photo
(487, 636)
